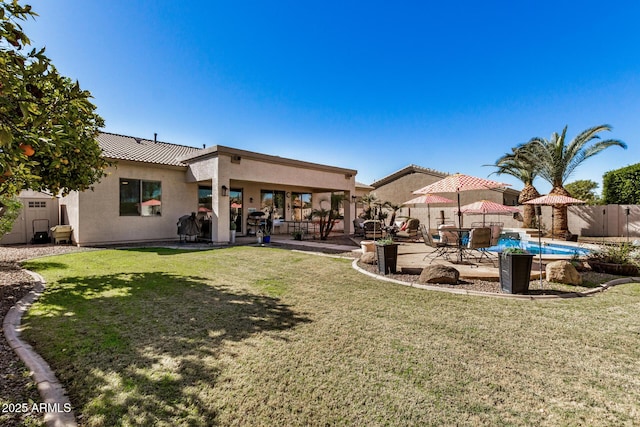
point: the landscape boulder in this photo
(439, 274)
(369, 258)
(563, 272)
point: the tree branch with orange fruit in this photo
(48, 124)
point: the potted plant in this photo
(387, 255)
(618, 259)
(515, 270)
(297, 235)
(266, 235)
(232, 228)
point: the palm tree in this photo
(370, 201)
(394, 208)
(520, 165)
(328, 217)
(558, 160)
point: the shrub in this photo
(622, 186)
(623, 253)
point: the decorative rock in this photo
(563, 272)
(369, 258)
(439, 274)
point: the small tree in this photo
(394, 208)
(370, 202)
(583, 189)
(622, 186)
(328, 217)
(9, 210)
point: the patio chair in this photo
(373, 229)
(479, 241)
(411, 231)
(496, 229)
(442, 249)
(358, 230)
(450, 237)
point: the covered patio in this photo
(237, 186)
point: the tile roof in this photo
(407, 170)
(120, 147)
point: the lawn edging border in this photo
(566, 295)
(52, 392)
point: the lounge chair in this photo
(373, 229)
(442, 249)
(411, 230)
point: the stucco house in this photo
(155, 183)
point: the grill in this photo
(188, 227)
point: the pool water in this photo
(533, 247)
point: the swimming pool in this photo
(533, 247)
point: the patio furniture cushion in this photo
(411, 230)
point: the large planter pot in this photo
(232, 236)
(368, 246)
(611, 268)
(387, 256)
(515, 272)
(266, 239)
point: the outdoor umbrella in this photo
(550, 200)
(485, 207)
(459, 182)
(455, 184)
(428, 199)
(554, 199)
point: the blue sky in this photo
(371, 85)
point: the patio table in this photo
(301, 226)
(460, 232)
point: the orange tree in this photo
(48, 125)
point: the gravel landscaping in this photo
(590, 280)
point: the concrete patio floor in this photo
(411, 257)
(411, 260)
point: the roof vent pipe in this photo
(155, 137)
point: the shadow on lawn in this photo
(168, 251)
(147, 346)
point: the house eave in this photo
(221, 150)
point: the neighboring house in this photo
(155, 183)
(398, 187)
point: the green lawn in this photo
(262, 336)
